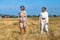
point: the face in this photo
(22, 8)
(43, 10)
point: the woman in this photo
(22, 19)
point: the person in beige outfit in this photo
(22, 19)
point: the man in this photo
(44, 19)
(22, 19)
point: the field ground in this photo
(9, 29)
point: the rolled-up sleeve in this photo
(47, 18)
(40, 17)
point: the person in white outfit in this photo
(44, 20)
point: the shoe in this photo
(47, 33)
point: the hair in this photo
(44, 8)
(21, 7)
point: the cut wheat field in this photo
(9, 29)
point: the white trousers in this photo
(44, 25)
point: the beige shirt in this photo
(22, 16)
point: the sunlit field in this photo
(9, 29)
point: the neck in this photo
(43, 11)
(22, 10)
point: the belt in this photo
(43, 18)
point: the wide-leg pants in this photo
(43, 25)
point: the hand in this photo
(46, 23)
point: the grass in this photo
(9, 29)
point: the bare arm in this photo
(18, 15)
(25, 15)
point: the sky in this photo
(32, 7)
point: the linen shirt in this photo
(44, 15)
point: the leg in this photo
(20, 30)
(46, 27)
(42, 26)
(21, 27)
(24, 27)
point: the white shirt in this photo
(44, 15)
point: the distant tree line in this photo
(54, 15)
(29, 16)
